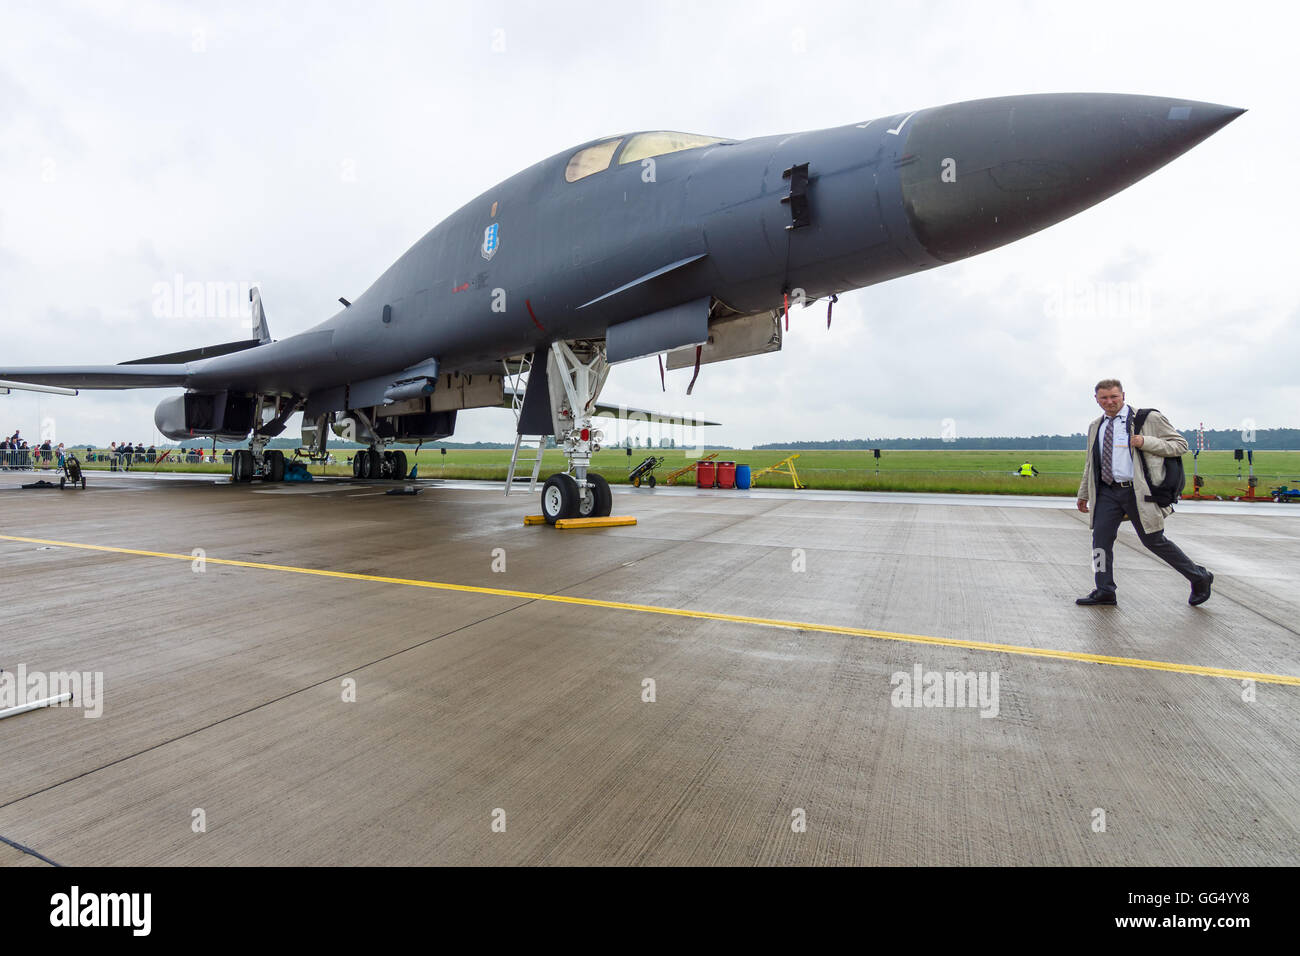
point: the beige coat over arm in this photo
(1159, 441)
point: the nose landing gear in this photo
(576, 375)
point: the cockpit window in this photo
(644, 145)
(590, 160)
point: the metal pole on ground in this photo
(34, 705)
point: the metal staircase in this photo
(516, 374)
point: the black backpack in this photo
(1170, 489)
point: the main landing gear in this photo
(373, 463)
(257, 461)
(245, 466)
(576, 375)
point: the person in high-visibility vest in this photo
(1027, 471)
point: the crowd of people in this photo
(17, 455)
(123, 456)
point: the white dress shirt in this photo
(1121, 460)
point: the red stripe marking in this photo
(532, 316)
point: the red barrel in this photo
(704, 474)
(726, 474)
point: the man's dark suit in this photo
(1114, 503)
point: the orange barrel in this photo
(726, 474)
(704, 474)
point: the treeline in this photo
(1271, 439)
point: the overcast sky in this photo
(306, 146)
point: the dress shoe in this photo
(1201, 590)
(1099, 597)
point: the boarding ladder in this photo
(783, 467)
(516, 375)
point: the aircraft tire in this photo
(399, 464)
(587, 501)
(274, 466)
(376, 462)
(360, 467)
(604, 498)
(241, 465)
(559, 498)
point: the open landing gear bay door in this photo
(731, 338)
(661, 331)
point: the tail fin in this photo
(260, 328)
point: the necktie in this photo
(1107, 452)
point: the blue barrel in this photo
(742, 477)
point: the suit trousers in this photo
(1112, 506)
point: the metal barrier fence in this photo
(38, 459)
(19, 459)
(149, 458)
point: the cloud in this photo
(307, 149)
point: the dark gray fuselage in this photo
(885, 198)
(564, 244)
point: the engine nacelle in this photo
(226, 415)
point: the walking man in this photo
(1114, 487)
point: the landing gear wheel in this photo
(559, 498)
(596, 500)
(361, 464)
(274, 461)
(399, 465)
(241, 465)
(651, 481)
(376, 462)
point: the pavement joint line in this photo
(195, 731)
(1018, 649)
(29, 851)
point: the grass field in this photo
(976, 472)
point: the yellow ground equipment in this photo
(614, 521)
(783, 467)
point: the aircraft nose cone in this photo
(978, 175)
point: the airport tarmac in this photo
(502, 677)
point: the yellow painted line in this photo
(1025, 651)
(617, 521)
